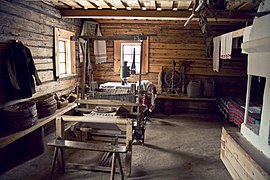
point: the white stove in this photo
(258, 49)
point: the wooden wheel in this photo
(172, 76)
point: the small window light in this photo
(159, 9)
(85, 7)
(114, 8)
(99, 7)
(144, 8)
(128, 8)
(174, 9)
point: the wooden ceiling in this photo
(146, 9)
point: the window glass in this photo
(127, 54)
(62, 46)
(62, 57)
(62, 68)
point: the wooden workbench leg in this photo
(113, 166)
(54, 160)
(129, 139)
(120, 166)
(128, 162)
(62, 160)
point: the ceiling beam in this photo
(150, 14)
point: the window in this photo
(130, 51)
(64, 53)
(124, 51)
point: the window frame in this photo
(64, 35)
(118, 55)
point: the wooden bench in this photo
(114, 149)
(84, 144)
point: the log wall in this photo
(173, 41)
(32, 23)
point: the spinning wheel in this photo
(172, 76)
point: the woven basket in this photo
(20, 116)
(46, 105)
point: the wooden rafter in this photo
(72, 4)
(138, 14)
(173, 5)
(86, 4)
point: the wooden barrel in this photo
(20, 116)
(209, 89)
(194, 89)
(46, 105)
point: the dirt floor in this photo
(185, 146)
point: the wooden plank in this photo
(86, 4)
(118, 4)
(10, 138)
(230, 168)
(20, 23)
(106, 102)
(184, 4)
(88, 146)
(72, 4)
(178, 15)
(56, 86)
(185, 98)
(95, 119)
(101, 4)
(177, 46)
(235, 164)
(238, 33)
(166, 5)
(46, 75)
(133, 4)
(254, 170)
(243, 158)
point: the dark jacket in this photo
(21, 69)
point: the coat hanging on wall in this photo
(21, 69)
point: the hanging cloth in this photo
(216, 42)
(100, 49)
(226, 46)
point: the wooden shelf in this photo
(184, 97)
(7, 138)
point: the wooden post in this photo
(129, 152)
(59, 127)
(84, 70)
